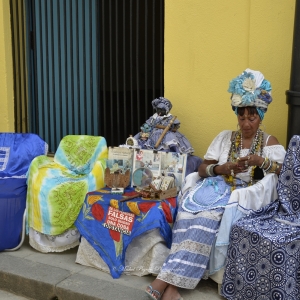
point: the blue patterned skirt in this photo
(263, 260)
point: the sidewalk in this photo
(56, 276)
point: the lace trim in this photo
(46, 249)
(144, 255)
(88, 256)
(208, 214)
(191, 246)
(54, 243)
(179, 281)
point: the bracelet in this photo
(277, 167)
(269, 166)
(264, 162)
(207, 170)
(210, 170)
(274, 167)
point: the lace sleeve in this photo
(219, 146)
(275, 153)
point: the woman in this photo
(238, 175)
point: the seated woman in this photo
(238, 175)
(173, 141)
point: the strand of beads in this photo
(254, 144)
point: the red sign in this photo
(119, 221)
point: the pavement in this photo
(29, 274)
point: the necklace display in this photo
(235, 152)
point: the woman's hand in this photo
(250, 160)
(229, 168)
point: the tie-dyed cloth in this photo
(111, 245)
(263, 258)
(57, 188)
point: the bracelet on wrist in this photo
(269, 166)
(209, 170)
(277, 167)
(264, 163)
(274, 167)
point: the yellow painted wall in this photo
(6, 70)
(208, 43)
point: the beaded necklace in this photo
(235, 152)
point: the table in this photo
(111, 244)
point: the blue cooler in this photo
(17, 150)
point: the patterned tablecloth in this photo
(110, 225)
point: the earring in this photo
(238, 127)
(262, 127)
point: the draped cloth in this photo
(111, 245)
(17, 150)
(57, 187)
(263, 258)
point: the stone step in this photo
(55, 276)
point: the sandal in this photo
(153, 294)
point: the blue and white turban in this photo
(250, 89)
(162, 102)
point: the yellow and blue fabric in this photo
(57, 187)
(263, 258)
(111, 245)
(17, 150)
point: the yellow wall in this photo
(208, 43)
(6, 72)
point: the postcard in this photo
(148, 159)
(174, 165)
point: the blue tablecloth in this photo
(110, 244)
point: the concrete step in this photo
(55, 276)
(4, 295)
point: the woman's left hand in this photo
(250, 160)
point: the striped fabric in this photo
(193, 236)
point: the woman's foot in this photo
(171, 293)
(156, 289)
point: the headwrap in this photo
(146, 127)
(250, 89)
(162, 102)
